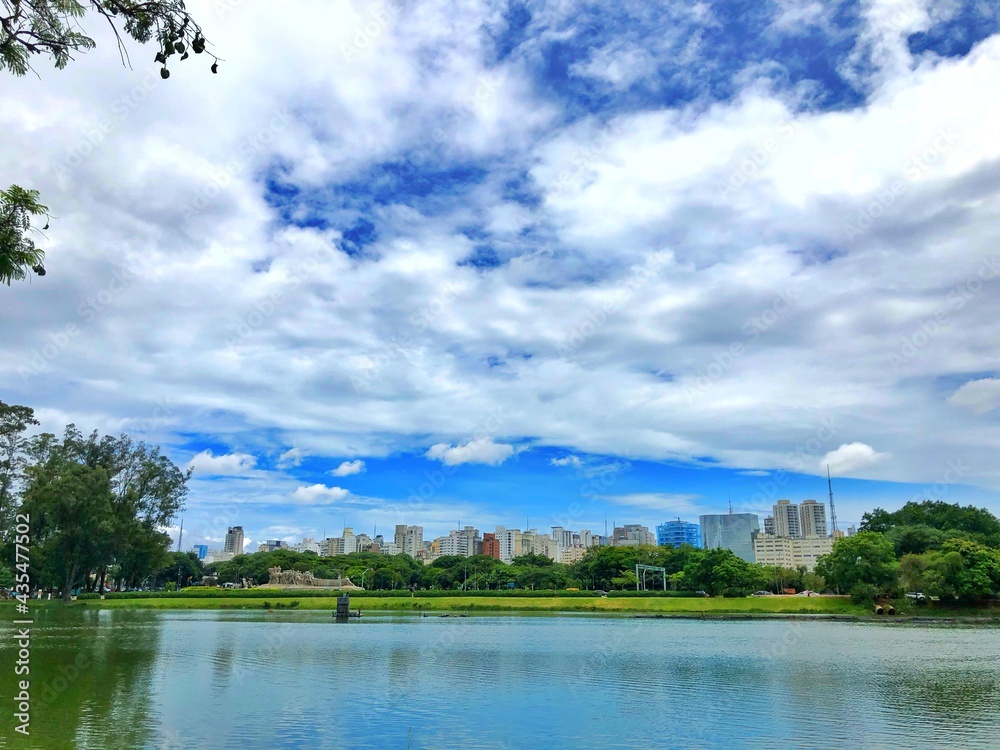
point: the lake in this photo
(118, 679)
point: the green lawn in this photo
(754, 605)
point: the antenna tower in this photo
(833, 508)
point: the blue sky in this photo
(488, 262)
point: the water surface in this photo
(144, 679)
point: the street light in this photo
(363, 576)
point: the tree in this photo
(14, 421)
(52, 27)
(866, 559)
(100, 503)
(974, 523)
(18, 252)
(961, 570)
(70, 508)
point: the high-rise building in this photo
(730, 531)
(201, 550)
(638, 534)
(676, 533)
(787, 521)
(812, 518)
(350, 541)
(413, 543)
(400, 536)
(852, 530)
(788, 552)
(234, 541)
(491, 546)
(307, 545)
(769, 525)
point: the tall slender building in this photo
(787, 522)
(812, 517)
(234, 541)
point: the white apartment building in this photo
(812, 518)
(788, 552)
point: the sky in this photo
(529, 264)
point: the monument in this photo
(298, 579)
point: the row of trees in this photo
(714, 571)
(936, 548)
(97, 504)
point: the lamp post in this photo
(363, 576)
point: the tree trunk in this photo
(70, 577)
(104, 573)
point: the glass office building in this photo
(730, 531)
(676, 533)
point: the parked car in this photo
(917, 597)
(762, 593)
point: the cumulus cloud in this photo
(319, 493)
(851, 457)
(478, 451)
(230, 464)
(349, 467)
(980, 396)
(573, 461)
(291, 458)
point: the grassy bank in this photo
(675, 606)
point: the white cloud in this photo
(664, 502)
(207, 464)
(349, 467)
(851, 457)
(478, 451)
(980, 396)
(319, 493)
(291, 458)
(573, 461)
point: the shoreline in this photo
(814, 608)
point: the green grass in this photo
(676, 606)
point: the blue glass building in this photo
(201, 549)
(676, 533)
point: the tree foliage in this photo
(18, 252)
(14, 421)
(974, 523)
(865, 563)
(98, 506)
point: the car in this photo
(762, 593)
(701, 593)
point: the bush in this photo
(864, 593)
(629, 593)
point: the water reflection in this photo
(235, 680)
(90, 675)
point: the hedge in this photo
(206, 592)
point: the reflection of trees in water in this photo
(946, 693)
(90, 675)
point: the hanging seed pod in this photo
(179, 47)
(164, 73)
(215, 67)
(39, 269)
(185, 56)
(198, 45)
(160, 58)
